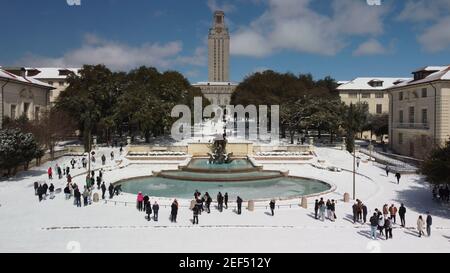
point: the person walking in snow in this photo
(111, 191)
(388, 228)
(174, 211)
(316, 208)
(358, 161)
(322, 208)
(429, 223)
(195, 212)
(387, 169)
(220, 202)
(355, 212)
(208, 203)
(333, 211)
(103, 159)
(226, 200)
(381, 224)
(99, 182)
(103, 187)
(272, 206)
(155, 211)
(58, 169)
(112, 155)
(36, 186)
(50, 173)
(373, 226)
(40, 192)
(393, 212)
(364, 210)
(398, 176)
(77, 196)
(401, 213)
(420, 226)
(85, 196)
(239, 205)
(52, 191)
(148, 211)
(72, 162)
(140, 200)
(146, 202)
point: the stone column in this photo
(251, 205)
(311, 141)
(346, 197)
(304, 203)
(128, 140)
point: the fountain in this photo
(219, 153)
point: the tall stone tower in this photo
(218, 49)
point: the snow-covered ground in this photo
(57, 226)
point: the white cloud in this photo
(294, 25)
(225, 6)
(370, 47)
(437, 37)
(118, 56)
(435, 34)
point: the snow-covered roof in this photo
(27, 80)
(442, 74)
(431, 68)
(342, 82)
(51, 72)
(215, 83)
(363, 83)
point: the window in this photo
(424, 92)
(36, 113)
(411, 114)
(379, 95)
(26, 108)
(400, 96)
(50, 83)
(424, 116)
(400, 138)
(400, 116)
(61, 83)
(365, 96)
(379, 108)
(13, 112)
(353, 95)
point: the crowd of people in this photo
(441, 193)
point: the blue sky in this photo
(341, 38)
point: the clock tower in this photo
(218, 49)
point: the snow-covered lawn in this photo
(57, 226)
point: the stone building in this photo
(21, 95)
(419, 115)
(54, 76)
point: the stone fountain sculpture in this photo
(219, 153)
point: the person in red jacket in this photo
(50, 173)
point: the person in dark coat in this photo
(387, 170)
(103, 187)
(146, 202)
(52, 191)
(398, 176)
(174, 211)
(272, 206)
(77, 195)
(429, 223)
(40, 192)
(111, 191)
(364, 210)
(45, 188)
(355, 212)
(59, 171)
(373, 226)
(155, 211)
(388, 228)
(316, 208)
(195, 211)
(36, 186)
(226, 200)
(239, 204)
(67, 170)
(99, 182)
(148, 211)
(103, 159)
(208, 203)
(220, 201)
(401, 213)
